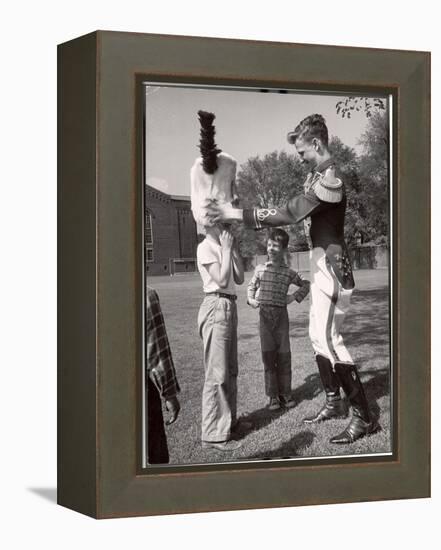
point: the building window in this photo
(148, 229)
(148, 237)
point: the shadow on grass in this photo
(376, 387)
(309, 390)
(368, 319)
(365, 332)
(294, 447)
(260, 418)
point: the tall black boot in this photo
(361, 423)
(334, 406)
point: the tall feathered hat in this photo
(207, 145)
(212, 175)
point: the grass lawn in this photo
(278, 434)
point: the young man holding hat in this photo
(322, 208)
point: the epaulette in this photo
(327, 187)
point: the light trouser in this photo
(217, 323)
(329, 305)
(276, 353)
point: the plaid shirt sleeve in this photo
(160, 366)
(303, 284)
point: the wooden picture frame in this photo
(100, 179)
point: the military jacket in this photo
(327, 219)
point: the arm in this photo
(297, 209)
(302, 291)
(238, 269)
(252, 287)
(221, 273)
(160, 366)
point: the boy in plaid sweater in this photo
(268, 291)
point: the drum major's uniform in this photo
(322, 208)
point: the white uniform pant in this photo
(329, 304)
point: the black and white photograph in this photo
(268, 238)
(152, 151)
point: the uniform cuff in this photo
(249, 218)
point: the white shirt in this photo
(209, 252)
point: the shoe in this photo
(356, 429)
(361, 423)
(224, 446)
(287, 401)
(274, 404)
(334, 406)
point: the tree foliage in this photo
(373, 172)
(272, 180)
(366, 178)
(369, 105)
(347, 162)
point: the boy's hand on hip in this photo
(290, 298)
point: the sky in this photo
(248, 123)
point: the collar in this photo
(269, 262)
(324, 165)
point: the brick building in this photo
(170, 233)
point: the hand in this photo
(290, 298)
(173, 407)
(253, 303)
(226, 239)
(223, 212)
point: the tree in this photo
(368, 105)
(368, 207)
(347, 162)
(374, 174)
(376, 137)
(270, 182)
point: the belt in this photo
(222, 295)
